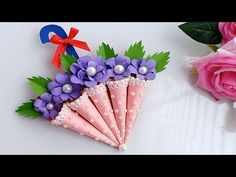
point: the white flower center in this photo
(50, 106)
(119, 69)
(143, 70)
(67, 88)
(91, 71)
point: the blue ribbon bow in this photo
(44, 36)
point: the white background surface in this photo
(175, 118)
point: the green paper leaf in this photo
(27, 110)
(67, 61)
(135, 51)
(203, 32)
(106, 51)
(39, 84)
(162, 59)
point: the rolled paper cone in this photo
(136, 90)
(118, 94)
(85, 108)
(71, 120)
(100, 99)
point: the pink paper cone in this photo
(88, 111)
(100, 99)
(136, 90)
(71, 120)
(118, 94)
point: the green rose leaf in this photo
(162, 59)
(39, 85)
(203, 32)
(106, 51)
(67, 61)
(27, 110)
(135, 51)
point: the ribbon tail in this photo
(56, 61)
(80, 44)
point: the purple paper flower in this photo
(62, 89)
(89, 71)
(118, 67)
(47, 106)
(143, 69)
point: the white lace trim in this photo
(61, 115)
(101, 88)
(118, 84)
(79, 101)
(137, 82)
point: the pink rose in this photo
(228, 31)
(217, 72)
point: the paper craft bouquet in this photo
(98, 97)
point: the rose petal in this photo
(204, 82)
(229, 77)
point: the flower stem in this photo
(213, 47)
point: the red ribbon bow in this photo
(62, 45)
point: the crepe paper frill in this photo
(118, 96)
(72, 120)
(100, 98)
(85, 108)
